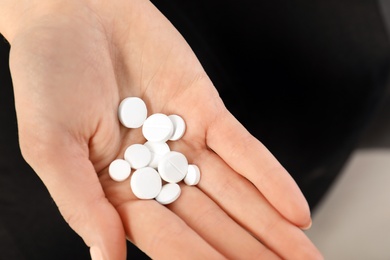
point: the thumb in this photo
(64, 167)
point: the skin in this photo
(72, 62)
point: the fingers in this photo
(247, 156)
(240, 199)
(153, 228)
(161, 234)
(216, 227)
(72, 182)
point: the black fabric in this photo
(304, 77)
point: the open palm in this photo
(71, 70)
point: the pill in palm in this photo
(193, 175)
(138, 155)
(169, 193)
(119, 170)
(132, 112)
(158, 150)
(146, 183)
(179, 127)
(153, 161)
(173, 167)
(157, 128)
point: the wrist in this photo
(18, 15)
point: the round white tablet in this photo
(119, 170)
(138, 155)
(146, 183)
(169, 193)
(173, 167)
(132, 112)
(158, 150)
(157, 128)
(179, 127)
(193, 175)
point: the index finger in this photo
(249, 157)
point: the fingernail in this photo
(307, 226)
(96, 254)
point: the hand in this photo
(72, 63)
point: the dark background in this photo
(307, 78)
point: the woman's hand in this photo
(72, 62)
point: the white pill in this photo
(138, 155)
(179, 127)
(173, 167)
(193, 175)
(157, 128)
(169, 193)
(158, 150)
(146, 183)
(132, 112)
(119, 170)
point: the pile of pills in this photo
(157, 169)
